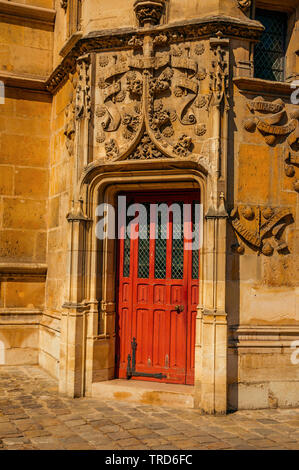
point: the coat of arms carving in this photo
(150, 94)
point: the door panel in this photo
(158, 283)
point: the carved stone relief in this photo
(153, 88)
(79, 106)
(261, 228)
(83, 98)
(272, 125)
(276, 124)
(219, 74)
(70, 123)
(145, 150)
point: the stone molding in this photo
(126, 38)
(70, 43)
(23, 270)
(16, 317)
(28, 12)
(22, 81)
(258, 85)
(258, 336)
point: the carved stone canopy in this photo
(149, 12)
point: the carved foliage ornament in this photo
(79, 103)
(220, 70)
(261, 228)
(145, 150)
(83, 98)
(156, 91)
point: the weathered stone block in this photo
(24, 214)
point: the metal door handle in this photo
(179, 308)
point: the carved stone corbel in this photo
(149, 12)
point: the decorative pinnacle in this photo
(221, 209)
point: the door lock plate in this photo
(179, 308)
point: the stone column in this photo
(213, 388)
(211, 393)
(74, 313)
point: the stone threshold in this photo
(145, 392)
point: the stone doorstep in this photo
(145, 392)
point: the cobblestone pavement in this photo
(34, 416)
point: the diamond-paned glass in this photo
(127, 250)
(195, 252)
(269, 53)
(160, 248)
(144, 242)
(177, 264)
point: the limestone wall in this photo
(43, 150)
(24, 179)
(262, 301)
(26, 47)
(60, 196)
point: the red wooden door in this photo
(158, 285)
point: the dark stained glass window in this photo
(269, 53)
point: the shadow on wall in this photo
(2, 353)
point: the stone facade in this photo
(89, 86)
